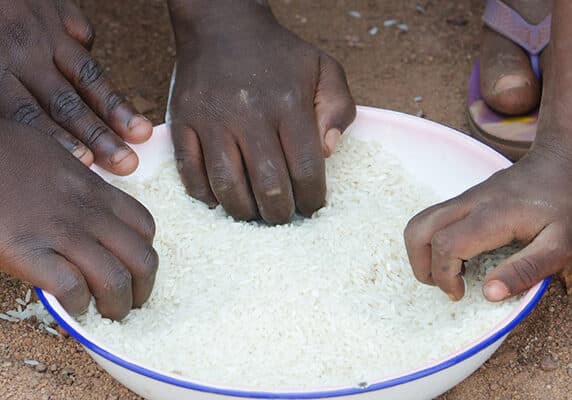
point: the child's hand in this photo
(254, 110)
(64, 229)
(530, 202)
(49, 81)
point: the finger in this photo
(191, 164)
(547, 254)
(67, 109)
(478, 232)
(19, 105)
(268, 174)
(305, 160)
(77, 25)
(226, 174)
(86, 75)
(132, 213)
(136, 254)
(108, 279)
(55, 274)
(334, 105)
(420, 230)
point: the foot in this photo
(508, 83)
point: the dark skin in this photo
(70, 99)
(67, 231)
(529, 202)
(254, 111)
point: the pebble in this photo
(374, 30)
(355, 14)
(41, 368)
(420, 114)
(403, 27)
(390, 22)
(418, 99)
(548, 363)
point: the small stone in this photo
(420, 9)
(41, 368)
(420, 114)
(62, 332)
(355, 14)
(403, 27)
(390, 22)
(548, 363)
(457, 21)
(418, 99)
(374, 30)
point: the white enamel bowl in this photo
(448, 161)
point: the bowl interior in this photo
(440, 157)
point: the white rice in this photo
(322, 302)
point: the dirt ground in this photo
(433, 60)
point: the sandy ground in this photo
(433, 60)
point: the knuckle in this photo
(525, 271)
(222, 181)
(149, 264)
(112, 101)
(66, 105)
(307, 171)
(94, 133)
(70, 286)
(148, 226)
(118, 280)
(89, 72)
(442, 244)
(27, 112)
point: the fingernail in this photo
(496, 291)
(79, 151)
(120, 155)
(137, 120)
(332, 139)
(509, 82)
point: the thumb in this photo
(547, 254)
(334, 105)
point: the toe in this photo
(508, 83)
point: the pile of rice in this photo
(326, 301)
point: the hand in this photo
(254, 110)
(529, 202)
(49, 81)
(65, 230)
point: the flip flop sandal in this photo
(512, 136)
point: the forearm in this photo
(555, 125)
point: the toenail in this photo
(508, 82)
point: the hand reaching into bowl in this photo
(530, 202)
(50, 81)
(65, 230)
(254, 110)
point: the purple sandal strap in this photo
(506, 21)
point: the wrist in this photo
(202, 17)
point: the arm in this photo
(530, 202)
(254, 110)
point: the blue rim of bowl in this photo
(481, 345)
